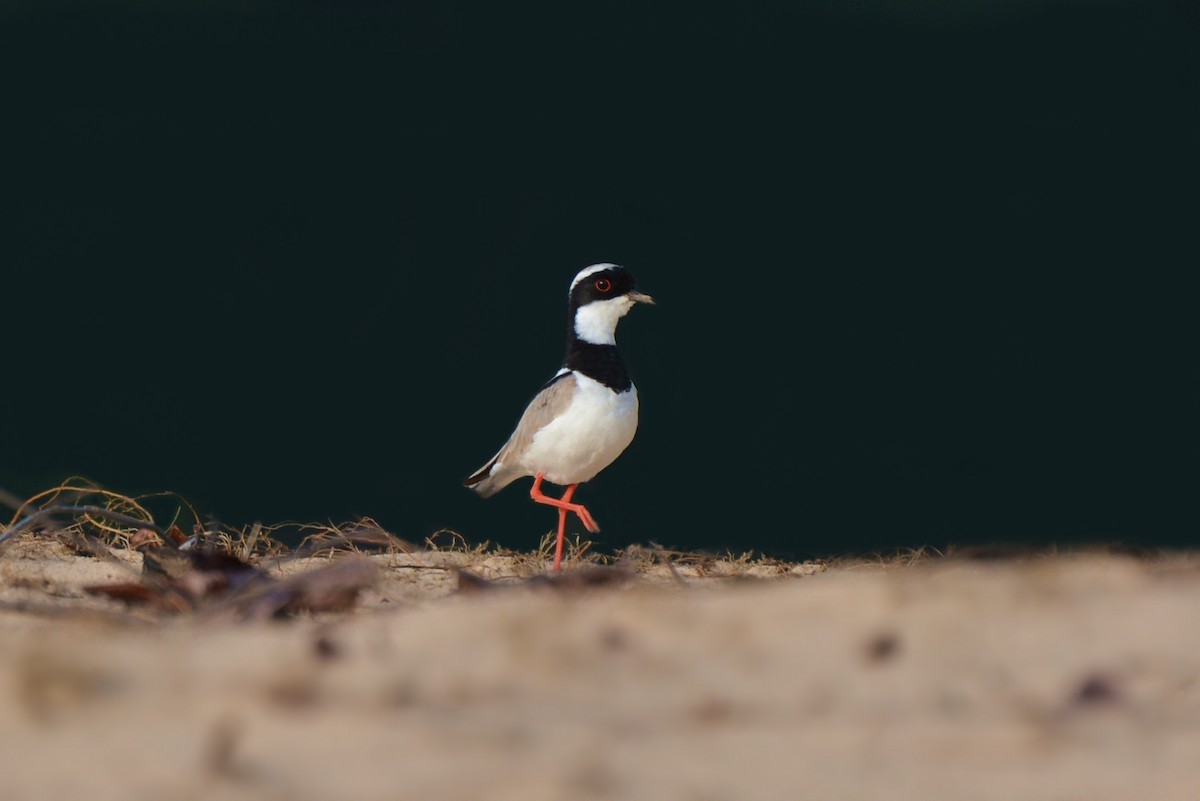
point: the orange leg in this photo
(563, 505)
(562, 529)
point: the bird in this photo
(585, 416)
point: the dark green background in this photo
(923, 268)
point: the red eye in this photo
(603, 284)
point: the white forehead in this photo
(586, 271)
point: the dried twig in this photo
(96, 511)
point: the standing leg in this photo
(563, 505)
(562, 528)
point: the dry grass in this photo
(96, 523)
(129, 520)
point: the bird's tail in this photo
(488, 481)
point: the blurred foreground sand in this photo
(1074, 677)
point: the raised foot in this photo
(564, 502)
(586, 518)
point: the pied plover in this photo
(586, 415)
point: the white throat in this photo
(596, 322)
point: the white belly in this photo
(597, 426)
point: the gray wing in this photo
(504, 468)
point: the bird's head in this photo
(600, 296)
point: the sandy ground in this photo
(1073, 677)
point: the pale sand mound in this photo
(1065, 678)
